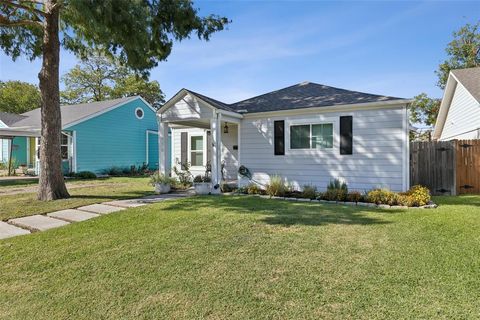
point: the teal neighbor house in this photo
(95, 136)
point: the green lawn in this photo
(83, 192)
(250, 258)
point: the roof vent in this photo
(242, 110)
(304, 83)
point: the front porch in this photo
(22, 150)
(205, 137)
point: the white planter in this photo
(202, 187)
(162, 188)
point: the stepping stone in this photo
(38, 222)
(100, 208)
(72, 215)
(7, 230)
(131, 203)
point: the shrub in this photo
(337, 190)
(419, 195)
(160, 178)
(184, 175)
(404, 200)
(309, 192)
(114, 171)
(382, 196)
(226, 187)
(354, 196)
(199, 179)
(85, 175)
(276, 187)
(252, 188)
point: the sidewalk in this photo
(35, 223)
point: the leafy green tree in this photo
(98, 78)
(463, 52)
(19, 97)
(91, 80)
(424, 110)
(135, 85)
(138, 34)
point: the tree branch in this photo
(21, 6)
(4, 21)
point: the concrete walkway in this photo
(35, 223)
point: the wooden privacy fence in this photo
(446, 167)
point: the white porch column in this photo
(215, 126)
(163, 147)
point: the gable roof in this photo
(74, 113)
(10, 118)
(306, 95)
(299, 96)
(470, 79)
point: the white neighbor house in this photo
(459, 114)
(308, 133)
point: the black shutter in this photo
(279, 137)
(346, 136)
(209, 147)
(184, 147)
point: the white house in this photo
(459, 114)
(308, 133)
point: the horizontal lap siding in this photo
(114, 139)
(463, 118)
(377, 159)
(176, 147)
(188, 108)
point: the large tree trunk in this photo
(51, 183)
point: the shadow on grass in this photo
(278, 212)
(463, 200)
(18, 182)
(119, 196)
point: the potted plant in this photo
(202, 184)
(161, 182)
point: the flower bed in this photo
(337, 193)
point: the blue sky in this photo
(387, 47)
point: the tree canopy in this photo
(99, 78)
(19, 97)
(136, 33)
(463, 52)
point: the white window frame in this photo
(334, 121)
(143, 113)
(204, 150)
(68, 145)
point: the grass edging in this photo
(431, 205)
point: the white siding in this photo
(228, 154)
(463, 118)
(3, 146)
(188, 108)
(378, 159)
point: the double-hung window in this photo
(196, 151)
(311, 136)
(64, 150)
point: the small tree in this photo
(19, 97)
(463, 52)
(138, 34)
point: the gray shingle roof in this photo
(70, 113)
(299, 96)
(470, 79)
(213, 102)
(10, 118)
(306, 95)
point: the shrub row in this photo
(338, 191)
